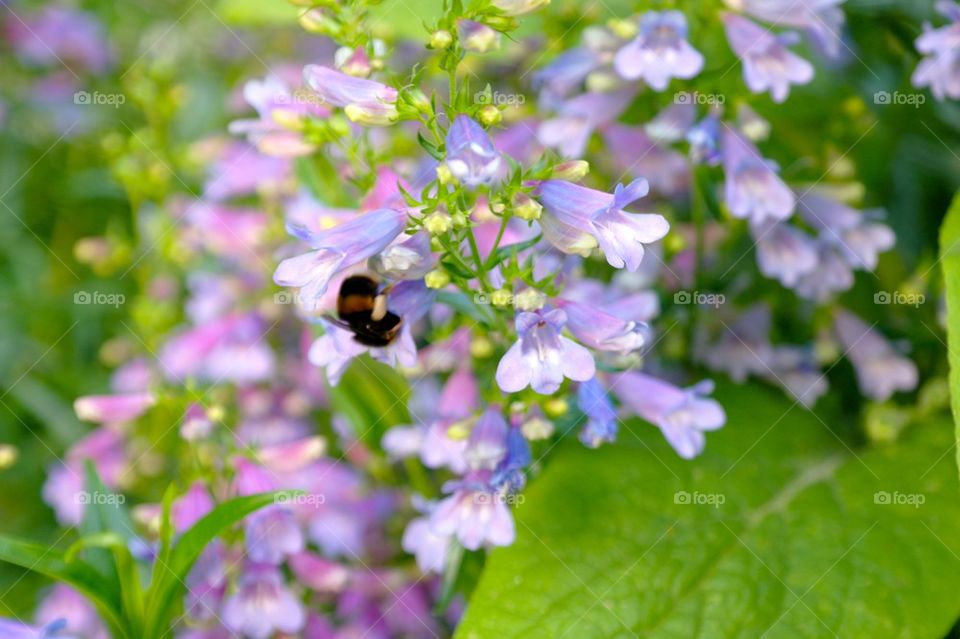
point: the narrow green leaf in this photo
(78, 574)
(168, 586)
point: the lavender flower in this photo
(767, 63)
(337, 249)
(113, 409)
(683, 415)
(822, 20)
(600, 330)
(364, 101)
(785, 252)
(272, 534)
(601, 417)
(262, 605)
(578, 117)
(282, 116)
(881, 370)
(10, 629)
(429, 548)
(659, 52)
(542, 357)
(475, 513)
(578, 218)
(940, 68)
(752, 188)
(471, 156)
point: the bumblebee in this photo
(362, 310)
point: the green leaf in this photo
(258, 12)
(169, 582)
(81, 576)
(950, 261)
(777, 530)
(373, 397)
(512, 249)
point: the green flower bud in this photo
(438, 222)
(440, 39)
(572, 171)
(490, 115)
(436, 278)
(526, 208)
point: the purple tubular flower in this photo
(476, 514)
(408, 258)
(785, 252)
(542, 357)
(601, 417)
(633, 151)
(659, 52)
(683, 415)
(881, 370)
(339, 248)
(262, 605)
(487, 445)
(66, 609)
(272, 534)
(767, 63)
(577, 218)
(600, 330)
(317, 573)
(822, 20)
(508, 475)
(704, 140)
(364, 101)
(753, 190)
(334, 351)
(471, 156)
(940, 68)
(578, 117)
(567, 71)
(112, 409)
(858, 240)
(228, 348)
(429, 548)
(191, 507)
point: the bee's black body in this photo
(357, 310)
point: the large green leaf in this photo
(80, 575)
(170, 572)
(812, 539)
(950, 261)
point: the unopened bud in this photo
(481, 347)
(436, 279)
(445, 175)
(477, 37)
(440, 39)
(572, 170)
(438, 222)
(501, 297)
(526, 208)
(490, 115)
(529, 300)
(556, 407)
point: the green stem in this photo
(481, 266)
(496, 244)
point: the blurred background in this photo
(103, 110)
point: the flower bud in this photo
(319, 22)
(440, 39)
(8, 455)
(436, 278)
(529, 300)
(477, 37)
(381, 115)
(625, 29)
(571, 171)
(556, 407)
(518, 7)
(445, 175)
(526, 208)
(415, 100)
(438, 222)
(537, 428)
(501, 297)
(481, 347)
(490, 116)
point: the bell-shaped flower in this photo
(600, 330)
(542, 357)
(577, 118)
(113, 409)
(262, 605)
(659, 52)
(282, 115)
(784, 252)
(471, 156)
(881, 370)
(475, 512)
(337, 249)
(577, 219)
(940, 67)
(364, 101)
(767, 63)
(682, 414)
(752, 188)
(601, 416)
